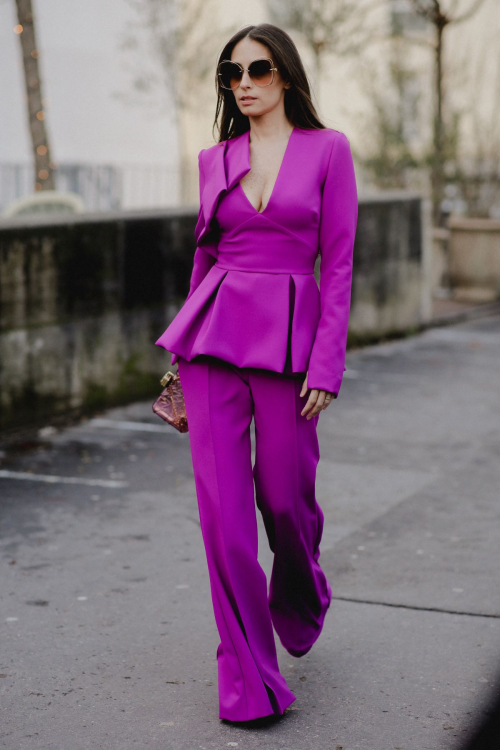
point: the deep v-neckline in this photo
(277, 177)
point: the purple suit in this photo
(238, 306)
(253, 323)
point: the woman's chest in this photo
(294, 203)
(258, 184)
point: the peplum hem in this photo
(248, 318)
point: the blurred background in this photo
(105, 106)
(124, 93)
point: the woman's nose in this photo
(245, 79)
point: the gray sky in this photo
(81, 67)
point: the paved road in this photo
(107, 632)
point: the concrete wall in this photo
(81, 303)
(392, 265)
(474, 258)
(82, 300)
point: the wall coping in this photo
(469, 224)
(69, 220)
(102, 217)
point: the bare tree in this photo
(474, 176)
(440, 17)
(390, 133)
(44, 168)
(328, 26)
(174, 50)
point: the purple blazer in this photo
(251, 285)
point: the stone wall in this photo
(474, 258)
(82, 300)
(392, 265)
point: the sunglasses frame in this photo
(258, 59)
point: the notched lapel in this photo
(224, 164)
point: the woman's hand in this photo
(318, 400)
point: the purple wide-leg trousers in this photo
(221, 400)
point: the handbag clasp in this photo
(167, 378)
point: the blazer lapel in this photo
(223, 166)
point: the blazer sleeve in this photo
(204, 257)
(339, 215)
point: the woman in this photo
(257, 338)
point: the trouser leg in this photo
(286, 457)
(219, 410)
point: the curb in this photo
(478, 311)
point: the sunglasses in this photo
(260, 71)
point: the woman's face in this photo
(264, 98)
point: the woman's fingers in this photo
(328, 399)
(310, 402)
(318, 406)
(315, 402)
(304, 387)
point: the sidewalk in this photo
(108, 636)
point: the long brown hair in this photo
(299, 108)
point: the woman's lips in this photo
(248, 101)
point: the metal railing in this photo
(101, 187)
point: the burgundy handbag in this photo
(170, 404)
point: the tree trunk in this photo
(44, 168)
(438, 162)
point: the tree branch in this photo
(473, 9)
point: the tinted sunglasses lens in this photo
(260, 72)
(229, 75)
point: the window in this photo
(404, 17)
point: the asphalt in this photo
(107, 632)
